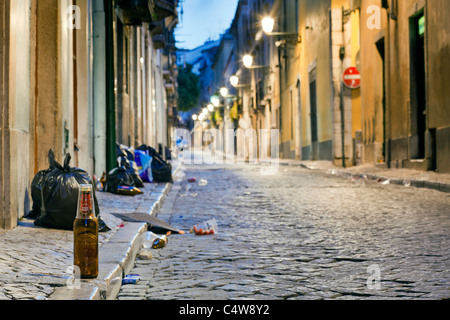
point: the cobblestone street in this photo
(298, 234)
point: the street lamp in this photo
(292, 38)
(194, 117)
(210, 107)
(224, 92)
(234, 80)
(248, 63)
(268, 23)
(215, 100)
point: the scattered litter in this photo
(206, 228)
(358, 179)
(155, 224)
(128, 191)
(131, 279)
(192, 179)
(203, 183)
(152, 240)
(383, 181)
(148, 239)
(98, 184)
(407, 183)
(162, 241)
(179, 175)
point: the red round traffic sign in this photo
(352, 78)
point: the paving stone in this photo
(301, 234)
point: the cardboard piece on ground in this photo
(154, 223)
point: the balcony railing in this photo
(135, 12)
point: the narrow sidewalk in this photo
(406, 177)
(35, 262)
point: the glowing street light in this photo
(268, 23)
(215, 100)
(224, 91)
(248, 61)
(292, 38)
(234, 80)
(210, 107)
(194, 117)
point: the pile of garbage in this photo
(54, 192)
(134, 167)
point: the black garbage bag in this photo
(118, 177)
(161, 170)
(36, 187)
(60, 197)
(132, 169)
(122, 150)
(168, 154)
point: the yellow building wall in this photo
(315, 55)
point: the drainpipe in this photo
(110, 95)
(99, 89)
(280, 79)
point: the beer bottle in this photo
(128, 191)
(85, 232)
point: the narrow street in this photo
(299, 234)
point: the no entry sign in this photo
(352, 78)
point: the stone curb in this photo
(439, 186)
(118, 255)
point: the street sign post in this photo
(352, 78)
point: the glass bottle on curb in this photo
(85, 234)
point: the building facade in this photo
(407, 112)
(78, 76)
(394, 111)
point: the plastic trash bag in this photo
(144, 163)
(118, 177)
(125, 151)
(36, 187)
(132, 169)
(60, 197)
(161, 170)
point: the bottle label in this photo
(86, 249)
(85, 204)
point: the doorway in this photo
(418, 90)
(381, 50)
(314, 131)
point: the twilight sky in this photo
(203, 20)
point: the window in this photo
(421, 26)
